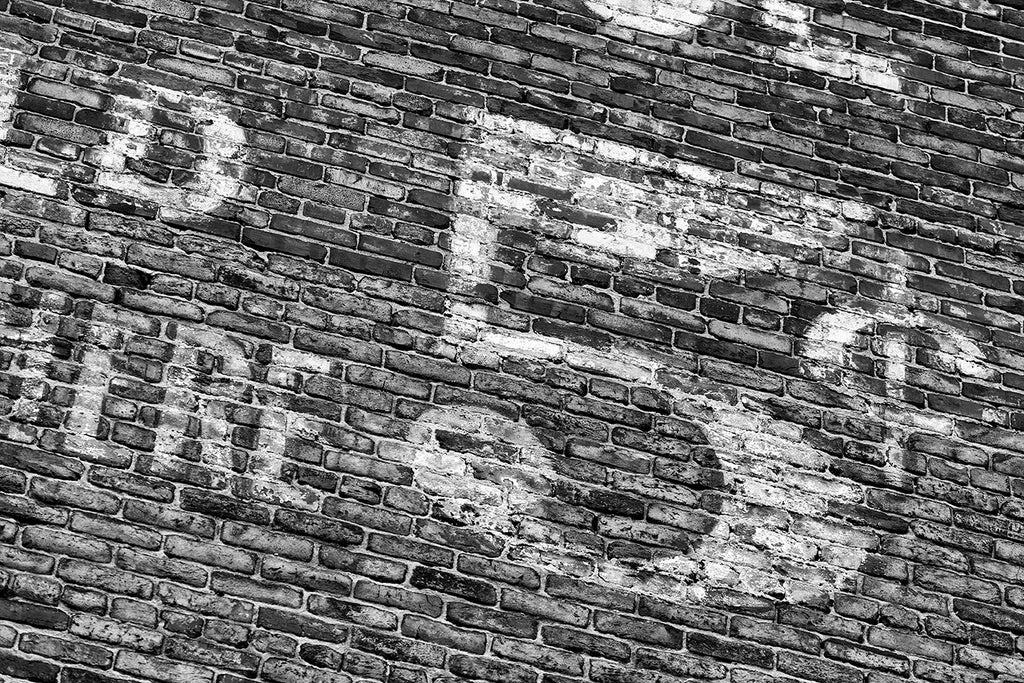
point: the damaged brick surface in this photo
(619, 341)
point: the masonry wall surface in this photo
(621, 341)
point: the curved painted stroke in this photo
(834, 337)
(216, 173)
(814, 51)
(759, 461)
(806, 49)
(213, 145)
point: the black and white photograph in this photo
(512, 341)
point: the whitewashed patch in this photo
(192, 410)
(807, 51)
(960, 354)
(16, 167)
(661, 17)
(663, 213)
(833, 334)
(214, 177)
(10, 75)
(26, 180)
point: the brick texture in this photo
(521, 341)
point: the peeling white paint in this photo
(766, 462)
(832, 337)
(275, 422)
(879, 77)
(33, 356)
(92, 385)
(217, 171)
(184, 403)
(787, 16)
(471, 243)
(628, 240)
(10, 74)
(497, 502)
(524, 344)
(769, 467)
(646, 220)
(25, 180)
(859, 211)
(832, 334)
(846, 326)
(816, 54)
(660, 17)
(11, 174)
(29, 366)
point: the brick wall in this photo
(621, 341)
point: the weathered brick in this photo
(35, 615)
(589, 335)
